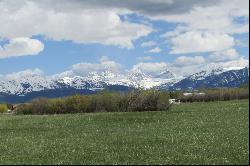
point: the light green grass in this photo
(197, 133)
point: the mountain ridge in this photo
(41, 86)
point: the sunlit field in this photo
(191, 133)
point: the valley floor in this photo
(193, 133)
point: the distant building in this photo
(194, 94)
(187, 94)
(174, 101)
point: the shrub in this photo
(103, 102)
(149, 100)
(24, 109)
(40, 106)
(163, 102)
(218, 94)
(3, 108)
(56, 106)
(138, 100)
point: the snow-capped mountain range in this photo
(38, 84)
(93, 81)
(214, 78)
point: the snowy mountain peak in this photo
(166, 75)
(137, 75)
(23, 85)
(208, 71)
(95, 81)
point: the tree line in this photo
(133, 101)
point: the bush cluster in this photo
(140, 100)
(3, 108)
(221, 94)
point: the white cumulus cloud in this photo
(226, 55)
(148, 44)
(144, 58)
(207, 28)
(24, 74)
(219, 17)
(155, 50)
(84, 68)
(21, 47)
(185, 61)
(82, 25)
(199, 41)
(151, 68)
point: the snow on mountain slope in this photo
(78, 82)
(135, 79)
(146, 81)
(93, 81)
(231, 78)
(23, 85)
(216, 69)
(205, 73)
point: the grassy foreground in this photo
(197, 133)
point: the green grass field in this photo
(197, 133)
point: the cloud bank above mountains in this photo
(189, 66)
(98, 21)
(204, 31)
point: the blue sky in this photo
(182, 40)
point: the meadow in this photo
(189, 133)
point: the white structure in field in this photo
(174, 101)
(195, 94)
